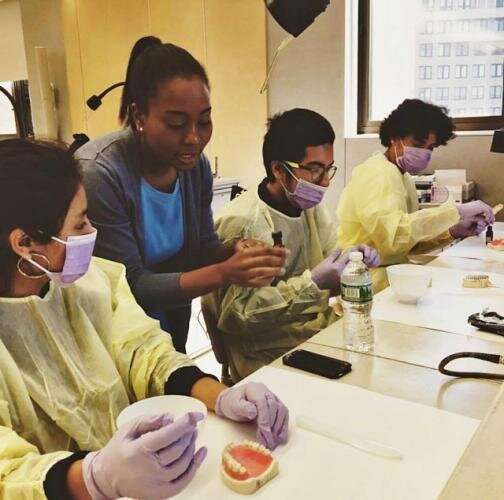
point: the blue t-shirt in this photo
(163, 221)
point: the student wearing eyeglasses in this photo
(256, 326)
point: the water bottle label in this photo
(360, 293)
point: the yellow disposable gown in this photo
(70, 362)
(258, 325)
(379, 207)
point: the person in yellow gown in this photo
(76, 349)
(255, 326)
(379, 206)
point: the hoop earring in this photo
(30, 276)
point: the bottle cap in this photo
(356, 256)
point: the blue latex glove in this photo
(469, 227)
(476, 209)
(151, 457)
(327, 274)
(254, 401)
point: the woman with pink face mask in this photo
(76, 349)
(379, 206)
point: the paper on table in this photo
(446, 307)
(475, 248)
(313, 466)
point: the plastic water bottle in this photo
(357, 299)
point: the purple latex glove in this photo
(327, 274)
(476, 209)
(151, 457)
(469, 227)
(254, 401)
(371, 256)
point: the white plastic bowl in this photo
(409, 282)
(176, 405)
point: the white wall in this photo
(12, 59)
(42, 27)
(12, 51)
(311, 74)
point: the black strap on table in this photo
(492, 358)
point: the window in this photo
(461, 71)
(459, 112)
(499, 4)
(426, 49)
(478, 71)
(462, 49)
(444, 27)
(429, 27)
(478, 92)
(425, 93)
(500, 24)
(460, 93)
(7, 118)
(477, 111)
(495, 92)
(403, 53)
(425, 72)
(443, 72)
(442, 93)
(489, 48)
(444, 49)
(496, 69)
(494, 111)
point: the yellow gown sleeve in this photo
(392, 230)
(22, 468)
(143, 353)
(245, 311)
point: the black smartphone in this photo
(317, 363)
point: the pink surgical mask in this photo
(413, 160)
(79, 250)
(306, 195)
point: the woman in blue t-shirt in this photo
(150, 191)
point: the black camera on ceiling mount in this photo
(294, 16)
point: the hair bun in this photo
(142, 44)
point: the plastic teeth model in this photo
(496, 245)
(247, 466)
(476, 281)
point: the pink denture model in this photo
(247, 466)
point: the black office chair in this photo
(236, 191)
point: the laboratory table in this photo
(404, 364)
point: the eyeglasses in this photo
(317, 173)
